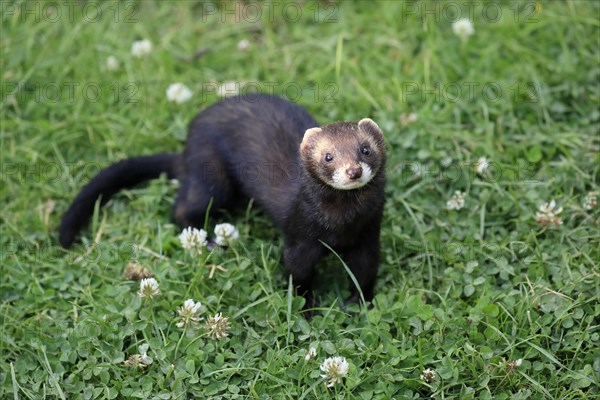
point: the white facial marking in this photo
(340, 179)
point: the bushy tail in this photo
(118, 176)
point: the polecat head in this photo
(344, 155)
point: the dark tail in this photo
(121, 175)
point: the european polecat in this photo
(317, 183)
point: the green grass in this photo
(461, 292)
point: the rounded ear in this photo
(369, 126)
(309, 135)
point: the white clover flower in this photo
(228, 88)
(141, 47)
(243, 45)
(482, 165)
(518, 362)
(189, 314)
(334, 368)
(548, 214)
(428, 375)
(136, 272)
(217, 326)
(463, 28)
(193, 239)
(143, 349)
(512, 365)
(457, 201)
(112, 64)
(178, 93)
(226, 234)
(311, 353)
(141, 360)
(416, 169)
(590, 201)
(446, 162)
(149, 288)
(407, 119)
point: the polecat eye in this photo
(365, 150)
(328, 157)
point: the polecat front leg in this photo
(300, 259)
(363, 261)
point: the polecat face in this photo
(344, 155)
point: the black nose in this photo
(354, 173)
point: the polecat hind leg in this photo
(202, 183)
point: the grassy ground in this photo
(464, 292)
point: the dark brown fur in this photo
(252, 147)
